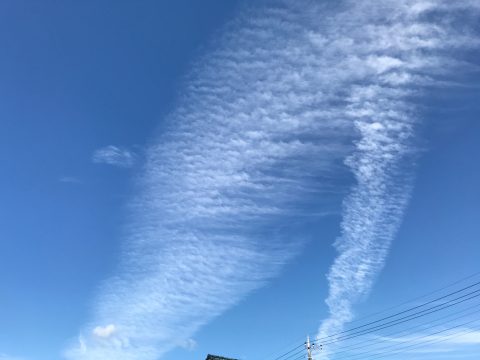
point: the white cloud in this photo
(466, 337)
(263, 127)
(114, 155)
(405, 50)
(104, 331)
(82, 345)
(189, 344)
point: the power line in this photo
(355, 356)
(452, 284)
(288, 352)
(301, 351)
(363, 344)
(309, 347)
(444, 339)
(336, 335)
(288, 349)
(288, 355)
(402, 320)
(299, 357)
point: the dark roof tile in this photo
(215, 357)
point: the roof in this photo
(215, 357)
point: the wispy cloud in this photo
(114, 155)
(390, 50)
(189, 344)
(262, 128)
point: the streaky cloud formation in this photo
(256, 140)
(396, 50)
(114, 155)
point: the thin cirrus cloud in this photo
(115, 156)
(260, 133)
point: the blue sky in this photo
(175, 175)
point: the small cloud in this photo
(114, 155)
(69, 180)
(83, 345)
(104, 331)
(189, 344)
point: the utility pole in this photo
(309, 348)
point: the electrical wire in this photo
(406, 311)
(348, 335)
(401, 320)
(428, 342)
(415, 340)
(363, 344)
(452, 284)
